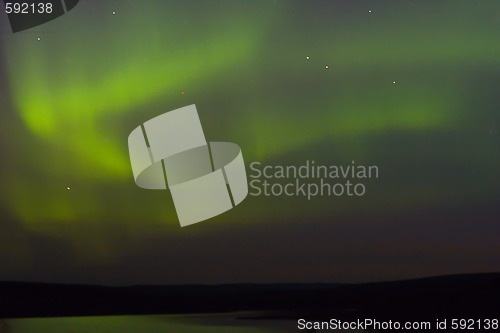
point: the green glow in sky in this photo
(75, 95)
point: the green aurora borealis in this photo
(69, 101)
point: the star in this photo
(326, 66)
(114, 13)
(369, 11)
(307, 58)
(38, 38)
(68, 188)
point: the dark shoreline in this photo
(456, 296)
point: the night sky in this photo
(409, 86)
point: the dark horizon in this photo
(478, 295)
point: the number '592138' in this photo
(474, 324)
(28, 8)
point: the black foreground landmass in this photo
(474, 296)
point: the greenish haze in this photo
(131, 324)
(411, 87)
